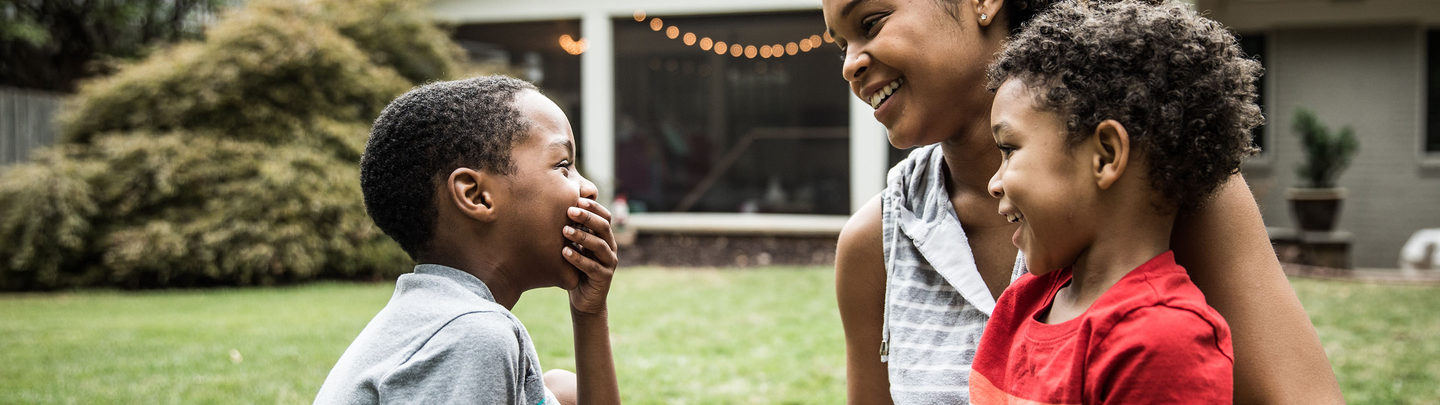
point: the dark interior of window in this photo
(701, 130)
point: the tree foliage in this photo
(51, 44)
(232, 161)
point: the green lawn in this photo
(681, 337)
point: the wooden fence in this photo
(27, 122)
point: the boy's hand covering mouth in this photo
(590, 232)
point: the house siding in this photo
(1370, 78)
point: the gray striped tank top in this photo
(936, 304)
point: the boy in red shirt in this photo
(1112, 119)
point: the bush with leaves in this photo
(232, 161)
(1326, 154)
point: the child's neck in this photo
(1126, 240)
(490, 269)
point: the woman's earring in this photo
(983, 17)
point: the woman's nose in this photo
(856, 63)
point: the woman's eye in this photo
(869, 23)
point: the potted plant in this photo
(1316, 203)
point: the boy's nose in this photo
(588, 189)
(997, 187)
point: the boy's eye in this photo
(565, 165)
(1005, 151)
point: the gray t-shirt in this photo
(442, 339)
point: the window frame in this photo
(1426, 158)
(1266, 158)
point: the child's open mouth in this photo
(1013, 218)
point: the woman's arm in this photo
(860, 290)
(1278, 357)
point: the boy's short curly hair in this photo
(1178, 82)
(424, 135)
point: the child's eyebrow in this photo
(566, 145)
(1002, 127)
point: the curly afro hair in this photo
(424, 135)
(1178, 82)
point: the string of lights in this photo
(576, 47)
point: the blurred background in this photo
(180, 216)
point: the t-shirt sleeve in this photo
(475, 359)
(1164, 355)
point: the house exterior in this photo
(705, 140)
(1373, 65)
(698, 139)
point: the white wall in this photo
(1370, 78)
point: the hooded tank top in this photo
(936, 303)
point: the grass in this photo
(681, 337)
(1383, 340)
(691, 337)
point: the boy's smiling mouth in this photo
(1016, 217)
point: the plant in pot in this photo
(1316, 204)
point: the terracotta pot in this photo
(1315, 209)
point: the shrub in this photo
(232, 161)
(1326, 154)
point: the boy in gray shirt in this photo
(475, 179)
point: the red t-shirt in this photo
(1150, 339)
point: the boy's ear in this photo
(473, 193)
(1112, 152)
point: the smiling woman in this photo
(919, 267)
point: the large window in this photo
(1254, 45)
(530, 51)
(701, 130)
(1432, 93)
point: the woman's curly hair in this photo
(1178, 82)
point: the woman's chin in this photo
(900, 139)
(903, 135)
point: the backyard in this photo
(767, 336)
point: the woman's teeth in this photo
(1014, 217)
(884, 93)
